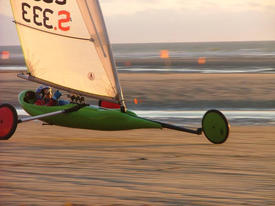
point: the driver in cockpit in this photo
(45, 97)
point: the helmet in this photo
(39, 89)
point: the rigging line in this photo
(97, 34)
(72, 37)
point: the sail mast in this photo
(120, 93)
(108, 45)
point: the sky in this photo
(142, 21)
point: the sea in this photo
(202, 57)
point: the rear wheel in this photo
(8, 121)
(215, 126)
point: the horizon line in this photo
(169, 42)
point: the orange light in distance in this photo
(202, 60)
(5, 55)
(135, 101)
(128, 63)
(164, 54)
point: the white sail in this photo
(65, 44)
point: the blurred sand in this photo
(48, 165)
(176, 90)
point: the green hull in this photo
(89, 117)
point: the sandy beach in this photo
(49, 165)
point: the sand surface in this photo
(48, 165)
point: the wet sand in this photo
(48, 165)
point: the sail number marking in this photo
(41, 17)
(60, 2)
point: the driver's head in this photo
(47, 92)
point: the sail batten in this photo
(65, 43)
(73, 37)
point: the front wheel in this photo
(215, 126)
